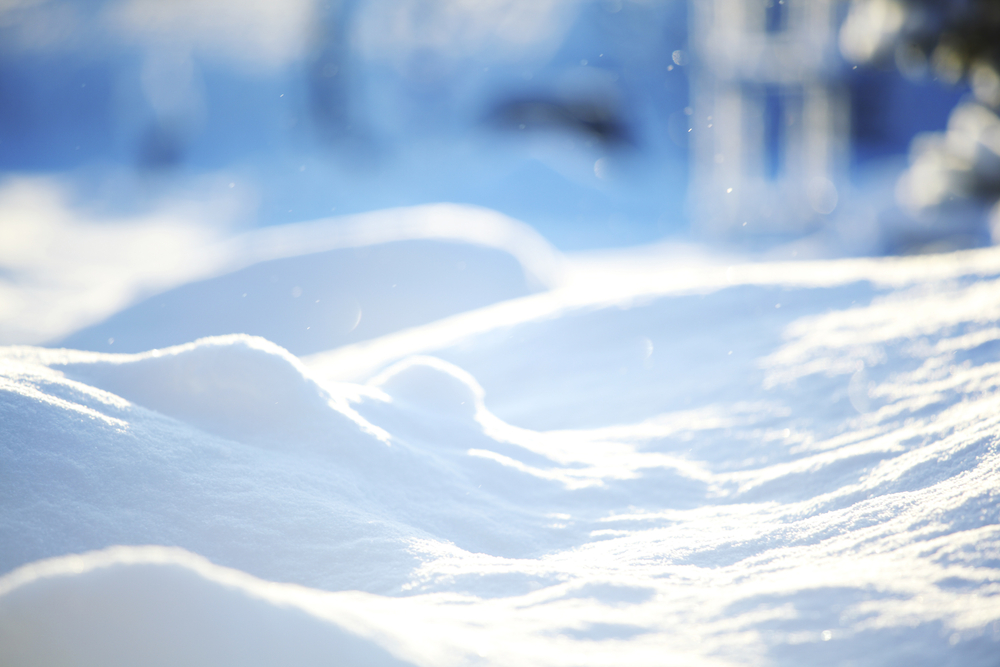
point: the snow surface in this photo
(666, 457)
(170, 276)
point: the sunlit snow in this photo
(652, 456)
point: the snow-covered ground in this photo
(489, 453)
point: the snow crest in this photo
(237, 386)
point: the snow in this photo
(169, 276)
(660, 455)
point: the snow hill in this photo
(663, 457)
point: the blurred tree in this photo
(954, 38)
(955, 41)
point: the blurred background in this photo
(798, 127)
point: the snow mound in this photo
(236, 386)
(86, 469)
(428, 383)
(317, 301)
(62, 272)
(166, 607)
(313, 286)
(206, 445)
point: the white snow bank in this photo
(693, 463)
(223, 445)
(85, 469)
(158, 606)
(236, 386)
(63, 269)
(631, 337)
(313, 302)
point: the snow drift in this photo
(156, 606)
(657, 460)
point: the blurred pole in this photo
(769, 125)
